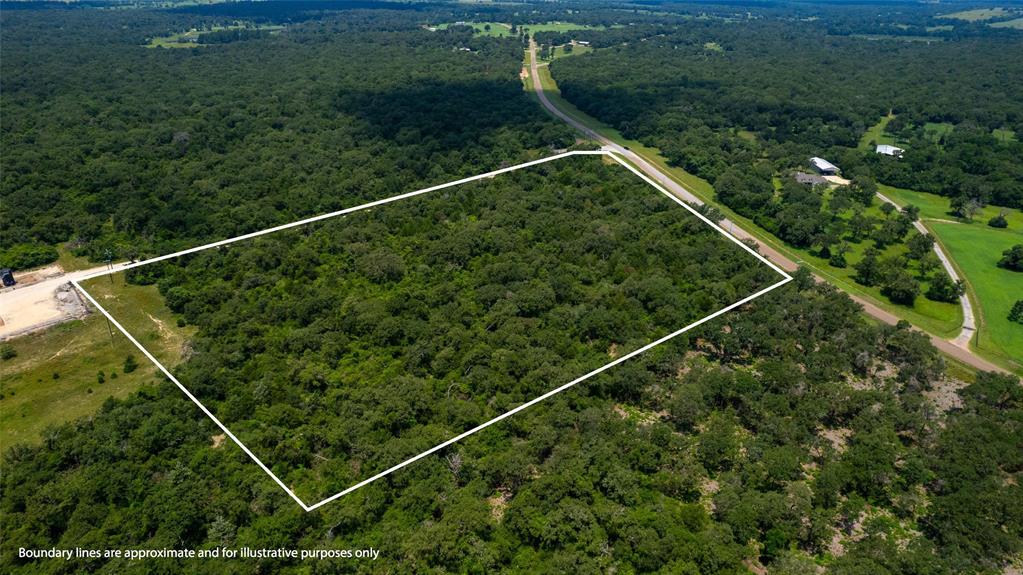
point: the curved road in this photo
(955, 350)
(969, 322)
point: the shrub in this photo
(130, 364)
(1016, 313)
(1012, 258)
(21, 256)
(8, 352)
(998, 221)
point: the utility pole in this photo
(110, 264)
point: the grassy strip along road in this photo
(682, 192)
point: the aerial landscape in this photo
(560, 286)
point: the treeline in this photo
(182, 147)
(746, 106)
(968, 162)
(231, 35)
(695, 90)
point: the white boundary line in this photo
(77, 283)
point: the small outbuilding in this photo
(824, 167)
(7, 278)
(889, 150)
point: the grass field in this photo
(1017, 24)
(877, 135)
(501, 30)
(189, 39)
(975, 247)
(55, 376)
(935, 207)
(977, 15)
(577, 50)
(936, 130)
(933, 130)
(142, 311)
(1004, 135)
(976, 251)
(940, 319)
(69, 262)
(560, 27)
(493, 29)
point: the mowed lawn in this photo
(935, 207)
(976, 251)
(577, 50)
(495, 29)
(55, 376)
(976, 248)
(876, 134)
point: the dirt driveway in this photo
(42, 298)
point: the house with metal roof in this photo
(888, 150)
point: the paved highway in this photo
(961, 353)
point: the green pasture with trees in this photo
(975, 237)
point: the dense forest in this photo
(746, 107)
(791, 434)
(789, 430)
(688, 89)
(342, 351)
(128, 151)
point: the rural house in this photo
(810, 179)
(888, 150)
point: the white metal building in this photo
(823, 166)
(890, 150)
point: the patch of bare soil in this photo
(851, 534)
(944, 393)
(838, 437)
(499, 503)
(707, 490)
(160, 326)
(30, 277)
